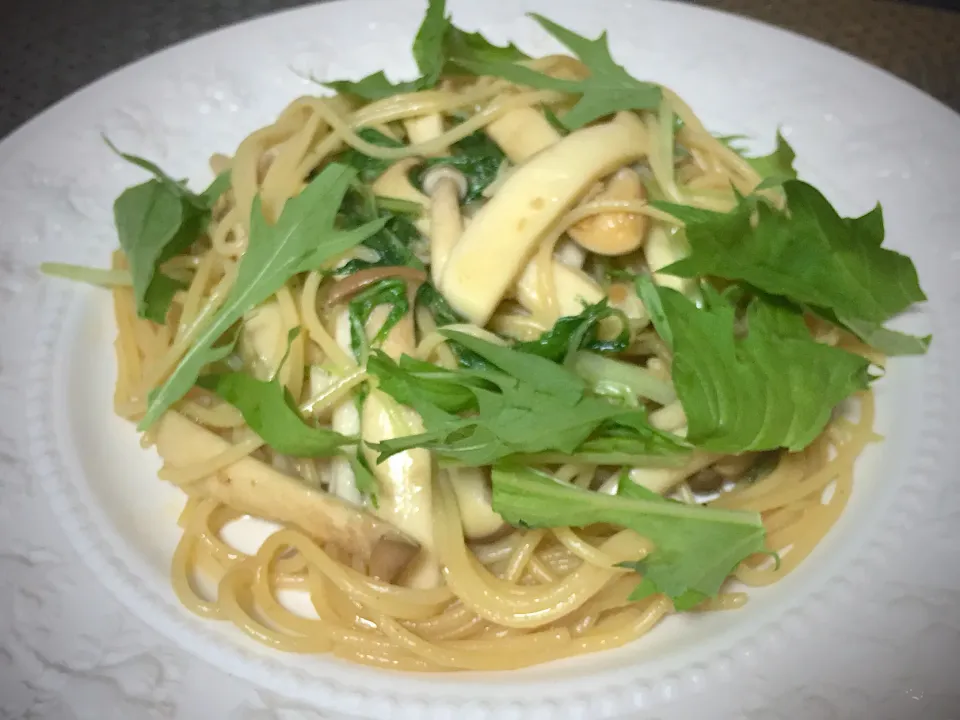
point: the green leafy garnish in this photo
(477, 157)
(609, 88)
(156, 221)
(389, 291)
(525, 406)
(302, 239)
(609, 377)
(753, 392)
(430, 298)
(427, 52)
(368, 168)
(271, 412)
(437, 45)
(695, 548)
(459, 44)
(579, 332)
(776, 167)
(365, 479)
(808, 254)
(89, 275)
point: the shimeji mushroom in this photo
(404, 479)
(614, 233)
(253, 487)
(446, 186)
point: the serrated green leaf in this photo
(389, 291)
(270, 411)
(275, 253)
(460, 44)
(609, 88)
(695, 548)
(778, 165)
(154, 224)
(807, 253)
(368, 168)
(579, 332)
(156, 221)
(752, 393)
(524, 405)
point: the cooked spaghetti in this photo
(432, 332)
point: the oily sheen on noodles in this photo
(519, 366)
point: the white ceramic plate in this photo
(869, 625)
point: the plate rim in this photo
(47, 464)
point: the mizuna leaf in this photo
(774, 387)
(695, 548)
(609, 88)
(807, 254)
(301, 238)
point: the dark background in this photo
(49, 48)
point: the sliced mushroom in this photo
(404, 479)
(261, 339)
(570, 254)
(346, 421)
(475, 500)
(250, 486)
(522, 133)
(573, 288)
(664, 248)
(663, 480)
(394, 182)
(614, 233)
(424, 129)
(670, 417)
(498, 243)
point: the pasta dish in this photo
(517, 357)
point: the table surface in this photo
(50, 48)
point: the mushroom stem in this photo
(445, 186)
(250, 486)
(570, 254)
(404, 479)
(346, 421)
